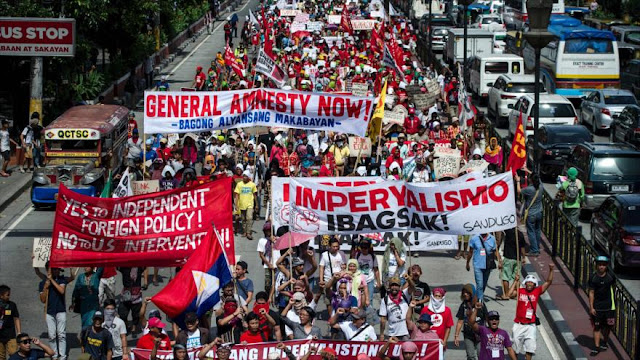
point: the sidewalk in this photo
(14, 185)
(569, 311)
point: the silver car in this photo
(600, 107)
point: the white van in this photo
(484, 70)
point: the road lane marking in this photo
(15, 223)
(549, 343)
(204, 41)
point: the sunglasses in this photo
(297, 301)
(25, 342)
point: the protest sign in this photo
(333, 40)
(145, 187)
(423, 101)
(157, 229)
(41, 251)
(297, 26)
(267, 66)
(280, 194)
(301, 18)
(393, 117)
(346, 350)
(315, 26)
(171, 112)
(433, 87)
(359, 146)
(363, 24)
(359, 89)
(334, 19)
(289, 12)
(460, 208)
(416, 241)
(475, 165)
(446, 162)
(413, 89)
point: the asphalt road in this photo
(630, 278)
(20, 223)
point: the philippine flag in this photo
(196, 288)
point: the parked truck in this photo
(479, 42)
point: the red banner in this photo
(37, 36)
(157, 229)
(346, 350)
(518, 156)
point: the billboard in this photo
(37, 36)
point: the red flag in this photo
(230, 60)
(346, 21)
(518, 155)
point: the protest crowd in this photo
(424, 130)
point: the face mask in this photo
(109, 315)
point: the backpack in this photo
(572, 192)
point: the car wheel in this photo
(612, 131)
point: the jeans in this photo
(482, 276)
(371, 285)
(57, 331)
(534, 228)
(36, 156)
(472, 348)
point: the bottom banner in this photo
(346, 350)
(413, 241)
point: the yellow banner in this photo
(375, 125)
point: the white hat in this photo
(246, 173)
(530, 278)
(239, 166)
(394, 165)
(168, 169)
(477, 151)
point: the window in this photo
(515, 67)
(72, 145)
(596, 98)
(625, 167)
(496, 67)
(588, 46)
(619, 99)
(524, 88)
(570, 136)
(556, 110)
(632, 37)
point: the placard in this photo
(363, 24)
(359, 146)
(446, 162)
(423, 101)
(359, 89)
(41, 251)
(315, 26)
(145, 187)
(334, 19)
(297, 26)
(475, 165)
(289, 12)
(301, 18)
(413, 89)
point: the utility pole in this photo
(35, 101)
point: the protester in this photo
(85, 295)
(533, 211)
(493, 340)
(601, 304)
(52, 293)
(440, 314)
(509, 261)
(245, 197)
(572, 194)
(26, 352)
(471, 341)
(155, 338)
(11, 325)
(118, 330)
(96, 340)
(482, 249)
(421, 331)
(194, 336)
(244, 285)
(392, 309)
(356, 330)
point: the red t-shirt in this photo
(253, 339)
(200, 79)
(411, 124)
(146, 342)
(527, 301)
(441, 321)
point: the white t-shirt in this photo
(291, 315)
(350, 330)
(5, 144)
(117, 328)
(336, 263)
(273, 257)
(28, 135)
(193, 339)
(393, 266)
(395, 314)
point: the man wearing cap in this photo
(96, 340)
(341, 154)
(222, 351)
(524, 327)
(493, 340)
(356, 330)
(601, 305)
(154, 336)
(393, 308)
(244, 285)
(409, 350)
(572, 194)
(245, 195)
(368, 264)
(194, 336)
(421, 331)
(199, 80)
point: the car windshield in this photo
(620, 166)
(72, 145)
(556, 110)
(491, 20)
(619, 99)
(633, 37)
(569, 137)
(440, 32)
(523, 87)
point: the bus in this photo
(515, 14)
(579, 60)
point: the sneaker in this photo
(604, 347)
(594, 352)
(22, 170)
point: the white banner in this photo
(301, 18)
(124, 187)
(267, 66)
(280, 193)
(334, 19)
(315, 26)
(182, 112)
(363, 24)
(461, 208)
(415, 241)
(289, 12)
(297, 26)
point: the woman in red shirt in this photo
(254, 334)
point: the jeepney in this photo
(80, 146)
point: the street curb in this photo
(556, 321)
(4, 203)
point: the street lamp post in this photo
(539, 37)
(429, 38)
(466, 4)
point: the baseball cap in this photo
(530, 278)
(155, 322)
(155, 313)
(190, 317)
(493, 314)
(602, 258)
(246, 173)
(425, 318)
(297, 261)
(98, 315)
(395, 280)
(298, 296)
(409, 346)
